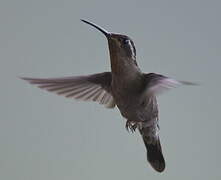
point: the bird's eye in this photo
(125, 41)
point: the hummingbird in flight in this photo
(132, 91)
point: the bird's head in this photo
(120, 46)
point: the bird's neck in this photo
(125, 75)
(123, 66)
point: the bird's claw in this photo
(131, 126)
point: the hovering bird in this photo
(126, 87)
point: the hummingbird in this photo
(132, 91)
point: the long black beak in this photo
(106, 33)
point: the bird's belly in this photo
(139, 111)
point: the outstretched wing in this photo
(95, 87)
(156, 83)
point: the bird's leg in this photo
(131, 125)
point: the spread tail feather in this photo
(154, 154)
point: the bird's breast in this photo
(136, 107)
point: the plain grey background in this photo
(44, 136)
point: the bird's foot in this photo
(131, 126)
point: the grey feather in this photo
(156, 83)
(95, 87)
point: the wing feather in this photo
(95, 87)
(156, 83)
